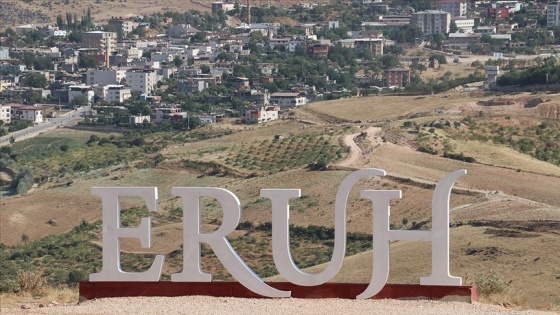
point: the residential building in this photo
(139, 119)
(182, 30)
(252, 96)
(486, 29)
(288, 99)
(318, 50)
(261, 114)
(432, 22)
(239, 82)
(222, 6)
(552, 14)
(464, 24)
(126, 26)
(143, 80)
(453, 7)
(116, 93)
(505, 28)
(167, 114)
(192, 85)
(78, 90)
(105, 77)
(33, 114)
(5, 113)
(499, 13)
(55, 32)
(397, 77)
(4, 53)
(207, 119)
(4, 84)
(99, 40)
(371, 45)
(462, 40)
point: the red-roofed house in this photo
(33, 114)
(261, 114)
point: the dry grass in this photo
(525, 258)
(53, 296)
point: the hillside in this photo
(505, 212)
(17, 12)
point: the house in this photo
(239, 82)
(261, 114)
(182, 30)
(5, 113)
(192, 85)
(207, 119)
(462, 40)
(222, 6)
(116, 93)
(33, 114)
(138, 119)
(464, 24)
(397, 77)
(78, 90)
(288, 99)
(252, 96)
(500, 13)
(318, 50)
(4, 53)
(370, 45)
(168, 114)
(105, 77)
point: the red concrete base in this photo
(94, 290)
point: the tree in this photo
(178, 61)
(453, 27)
(80, 100)
(32, 97)
(35, 80)
(199, 37)
(86, 62)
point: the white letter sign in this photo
(192, 236)
(112, 231)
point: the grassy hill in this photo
(505, 213)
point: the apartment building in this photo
(453, 7)
(432, 22)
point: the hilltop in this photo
(505, 212)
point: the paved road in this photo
(50, 123)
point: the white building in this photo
(207, 119)
(55, 32)
(553, 14)
(139, 119)
(465, 25)
(105, 77)
(261, 114)
(453, 7)
(143, 80)
(33, 114)
(77, 90)
(4, 53)
(431, 22)
(288, 99)
(116, 93)
(5, 115)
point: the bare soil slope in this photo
(505, 212)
